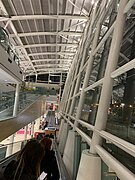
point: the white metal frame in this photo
(121, 171)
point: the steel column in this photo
(106, 92)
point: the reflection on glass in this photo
(107, 173)
(85, 130)
(90, 106)
(126, 159)
(108, 20)
(75, 106)
(26, 98)
(121, 113)
(81, 81)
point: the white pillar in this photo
(10, 146)
(37, 122)
(32, 129)
(25, 132)
(60, 129)
(36, 78)
(60, 88)
(23, 77)
(16, 100)
(106, 92)
(87, 75)
(68, 156)
(63, 138)
(90, 167)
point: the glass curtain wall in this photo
(104, 100)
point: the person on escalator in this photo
(27, 165)
(49, 163)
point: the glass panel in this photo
(121, 114)
(6, 104)
(17, 146)
(81, 80)
(107, 173)
(108, 20)
(26, 98)
(4, 39)
(127, 52)
(90, 106)
(100, 61)
(75, 106)
(126, 159)
(7, 101)
(85, 130)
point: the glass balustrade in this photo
(7, 99)
(16, 146)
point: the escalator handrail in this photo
(4, 145)
(62, 169)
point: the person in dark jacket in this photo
(49, 163)
(27, 165)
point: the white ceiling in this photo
(46, 33)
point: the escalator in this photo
(4, 161)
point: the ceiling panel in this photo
(48, 23)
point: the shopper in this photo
(49, 163)
(27, 165)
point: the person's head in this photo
(29, 158)
(46, 143)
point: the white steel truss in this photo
(49, 45)
(49, 60)
(29, 17)
(49, 65)
(54, 53)
(46, 33)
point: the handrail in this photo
(122, 144)
(1, 145)
(63, 172)
(3, 161)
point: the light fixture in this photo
(92, 2)
(83, 25)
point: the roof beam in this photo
(27, 17)
(49, 69)
(54, 72)
(49, 65)
(46, 60)
(45, 45)
(46, 33)
(52, 53)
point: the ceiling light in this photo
(92, 2)
(122, 104)
(83, 25)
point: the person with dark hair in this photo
(49, 163)
(27, 165)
